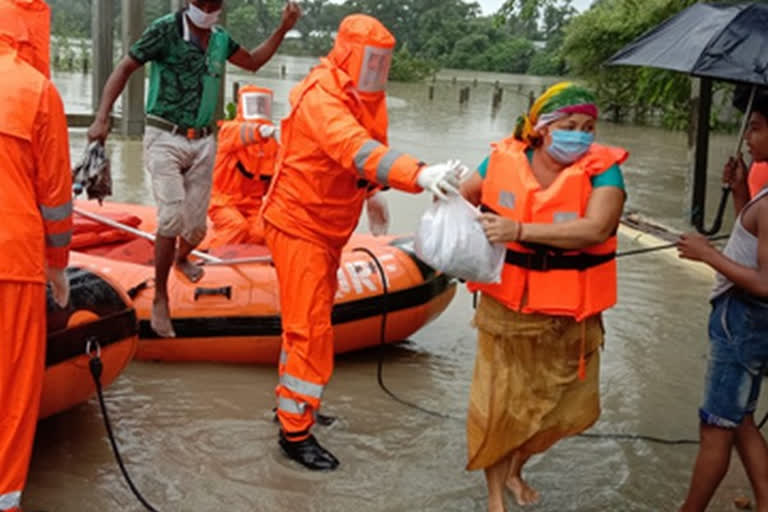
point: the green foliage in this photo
(627, 93)
(547, 63)
(408, 68)
(432, 32)
(230, 111)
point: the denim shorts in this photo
(738, 337)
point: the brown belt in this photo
(175, 129)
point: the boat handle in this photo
(225, 291)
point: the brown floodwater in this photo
(200, 437)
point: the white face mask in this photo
(202, 19)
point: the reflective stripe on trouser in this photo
(307, 276)
(22, 366)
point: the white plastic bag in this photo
(452, 240)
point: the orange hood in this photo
(26, 25)
(363, 50)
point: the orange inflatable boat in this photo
(233, 313)
(99, 317)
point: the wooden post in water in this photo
(283, 71)
(132, 121)
(431, 92)
(102, 24)
(531, 99)
(698, 147)
(235, 91)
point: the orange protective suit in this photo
(245, 163)
(334, 150)
(758, 177)
(35, 205)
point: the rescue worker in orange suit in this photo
(36, 208)
(334, 153)
(245, 163)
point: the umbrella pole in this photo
(745, 121)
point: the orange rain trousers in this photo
(233, 226)
(22, 366)
(307, 273)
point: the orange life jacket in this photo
(245, 161)
(758, 177)
(541, 279)
(28, 24)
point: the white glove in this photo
(267, 130)
(443, 179)
(59, 285)
(378, 214)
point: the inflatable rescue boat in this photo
(233, 313)
(98, 321)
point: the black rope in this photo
(383, 386)
(383, 340)
(661, 247)
(96, 367)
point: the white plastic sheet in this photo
(452, 240)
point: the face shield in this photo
(374, 72)
(257, 106)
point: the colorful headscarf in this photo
(560, 100)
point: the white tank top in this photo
(741, 248)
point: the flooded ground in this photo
(200, 437)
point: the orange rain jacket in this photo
(36, 185)
(335, 144)
(245, 163)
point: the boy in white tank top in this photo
(738, 333)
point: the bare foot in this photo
(524, 494)
(496, 506)
(193, 272)
(161, 319)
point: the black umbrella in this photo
(725, 42)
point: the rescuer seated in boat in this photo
(738, 337)
(555, 198)
(245, 163)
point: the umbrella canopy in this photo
(726, 42)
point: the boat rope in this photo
(395, 397)
(93, 350)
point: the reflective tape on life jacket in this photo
(10, 500)
(542, 279)
(302, 387)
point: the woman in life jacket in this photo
(555, 198)
(245, 163)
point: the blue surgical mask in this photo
(569, 145)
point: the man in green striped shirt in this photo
(188, 52)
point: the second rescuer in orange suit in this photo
(36, 208)
(334, 153)
(245, 163)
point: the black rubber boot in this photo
(308, 453)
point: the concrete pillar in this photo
(698, 147)
(132, 122)
(102, 25)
